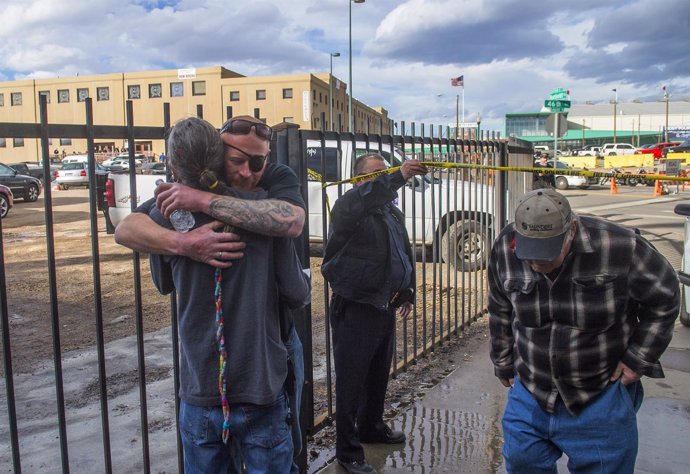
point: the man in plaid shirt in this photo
(579, 309)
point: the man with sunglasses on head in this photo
(247, 145)
(579, 309)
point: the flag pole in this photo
(457, 106)
(463, 102)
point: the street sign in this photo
(673, 167)
(557, 105)
(556, 129)
(558, 94)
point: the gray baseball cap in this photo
(542, 220)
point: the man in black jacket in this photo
(370, 266)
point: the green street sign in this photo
(561, 95)
(557, 105)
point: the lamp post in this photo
(615, 117)
(330, 89)
(666, 130)
(349, 100)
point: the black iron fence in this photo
(112, 405)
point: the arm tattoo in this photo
(264, 216)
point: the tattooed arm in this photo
(272, 217)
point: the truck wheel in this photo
(561, 183)
(465, 246)
(684, 316)
(31, 194)
(4, 206)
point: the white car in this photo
(590, 150)
(564, 181)
(122, 162)
(613, 149)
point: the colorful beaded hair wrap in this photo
(220, 340)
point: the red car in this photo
(657, 149)
(6, 200)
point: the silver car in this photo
(75, 174)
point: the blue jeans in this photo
(296, 354)
(261, 430)
(601, 439)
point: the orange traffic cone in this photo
(657, 188)
(614, 188)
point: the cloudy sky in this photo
(512, 53)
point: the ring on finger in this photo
(220, 255)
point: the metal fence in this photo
(112, 406)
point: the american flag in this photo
(457, 81)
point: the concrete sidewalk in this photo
(456, 426)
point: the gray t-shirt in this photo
(257, 359)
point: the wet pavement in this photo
(456, 427)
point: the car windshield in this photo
(73, 166)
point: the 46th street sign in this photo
(557, 105)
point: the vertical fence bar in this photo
(139, 320)
(52, 282)
(98, 301)
(7, 359)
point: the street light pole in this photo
(666, 130)
(330, 89)
(349, 100)
(615, 117)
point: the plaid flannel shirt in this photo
(615, 299)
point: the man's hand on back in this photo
(208, 244)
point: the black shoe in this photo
(357, 467)
(387, 436)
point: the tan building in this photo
(215, 93)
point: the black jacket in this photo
(357, 259)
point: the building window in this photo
(2, 100)
(228, 112)
(16, 98)
(289, 119)
(133, 92)
(102, 93)
(234, 96)
(18, 142)
(3, 143)
(313, 93)
(65, 141)
(82, 95)
(287, 93)
(45, 93)
(155, 91)
(63, 96)
(261, 94)
(320, 97)
(198, 87)
(257, 113)
(176, 89)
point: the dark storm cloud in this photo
(655, 35)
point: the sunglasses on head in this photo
(243, 127)
(256, 162)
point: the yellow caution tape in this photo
(570, 172)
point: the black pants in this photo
(362, 352)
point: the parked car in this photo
(28, 169)
(613, 149)
(656, 148)
(121, 162)
(564, 181)
(76, 174)
(6, 200)
(153, 168)
(683, 147)
(24, 186)
(590, 150)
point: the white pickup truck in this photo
(454, 215)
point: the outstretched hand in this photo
(411, 168)
(173, 196)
